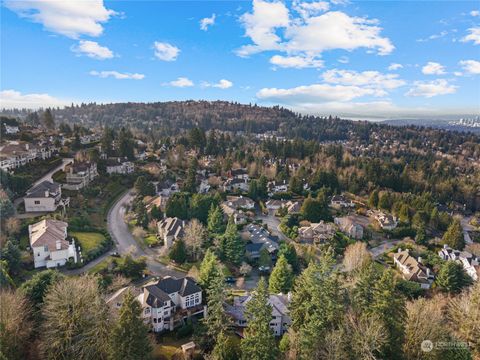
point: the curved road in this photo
(126, 243)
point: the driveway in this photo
(273, 224)
(383, 248)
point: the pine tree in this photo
(130, 339)
(373, 199)
(178, 253)
(234, 246)
(48, 119)
(253, 189)
(215, 220)
(288, 250)
(389, 306)
(209, 270)
(281, 279)
(453, 237)
(259, 342)
(11, 254)
(452, 278)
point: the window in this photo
(45, 248)
(37, 202)
(147, 311)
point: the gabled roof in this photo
(40, 190)
(171, 226)
(47, 233)
(158, 293)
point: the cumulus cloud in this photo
(298, 62)
(68, 18)
(272, 27)
(307, 9)
(430, 89)
(165, 51)
(206, 22)
(474, 35)
(433, 68)
(222, 84)
(395, 66)
(470, 66)
(92, 49)
(10, 99)
(117, 75)
(475, 13)
(180, 82)
(374, 80)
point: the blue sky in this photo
(363, 59)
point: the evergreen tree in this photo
(259, 342)
(373, 199)
(403, 214)
(389, 306)
(262, 188)
(11, 254)
(295, 185)
(265, 258)
(209, 269)
(315, 210)
(106, 141)
(453, 237)
(234, 248)
(126, 144)
(253, 189)
(452, 278)
(177, 206)
(281, 279)
(288, 250)
(178, 253)
(385, 201)
(130, 338)
(48, 119)
(215, 220)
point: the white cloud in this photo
(373, 80)
(180, 82)
(117, 75)
(222, 84)
(69, 18)
(92, 49)
(473, 36)
(165, 51)
(315, 93)
(206, 22)
(298, 62)
(430, 89)
(395, 66)
(307, 9)
(475, 13)
(470, 66)
(271, 26)
(344, 60)
(441, 34)
(433, 68)
(10, 99)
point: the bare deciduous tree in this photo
(366, 336)
(15, 326)
(194, 235)
(356, 256)
(76, 324)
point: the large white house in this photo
(170, 229)
(413, 269)
(48, 240)
(45, 197)
(15, 154)
(117, 166)
(280, 314)
(80, 174)
(470, 263)
(166, 303)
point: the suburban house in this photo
(386, 221)
(11, 129)
(15, 154)
(240, 202)
(167, 188)
(349, 226)
(240, 173)
(260, 238)
(470, 263)
(340, 201)
(80, 174)
(117, 166)
(169, 230)
(48, 240)
(413, 269)
(239, 216)
(235, 184)
(293, 206)
(273, 204)
(316, 232)
(90, 138)
(166, 303)
(280, 314)
(45, 197)
(277, 187)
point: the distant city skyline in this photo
(365, 59)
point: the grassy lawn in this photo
(88, 240)
(151, 240)
(101, 266)
(168, 345)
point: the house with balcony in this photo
(80, 174)
(235, 184)
(45, 197)
(119, 166)
(470, 262)
(349, 226)
(49, 244)
(341, 202)
(316, 232)
(275, 187)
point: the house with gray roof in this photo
(170, 229)
(45, 197)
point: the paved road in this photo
(383, 248)
(126, 243)
(273, 223)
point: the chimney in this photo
(58, 245)
(399, 250)
(419, 259)
(46, 193)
